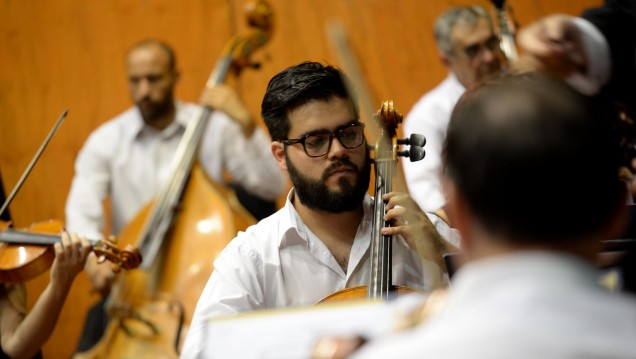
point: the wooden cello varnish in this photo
(179, 235)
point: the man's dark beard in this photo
(315, 195)
(156, 111)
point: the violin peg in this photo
(112, 239)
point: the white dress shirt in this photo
(429, 117)
(531, 305)
(280, 263)
(129, 161)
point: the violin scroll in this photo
(127, 259)
(25, 254)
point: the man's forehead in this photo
(317, 115)
(147, 56)
(469, 34)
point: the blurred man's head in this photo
(468, 44)
(152, 76)
(532, 163)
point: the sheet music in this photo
(292, 333)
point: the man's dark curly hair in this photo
(296, 86)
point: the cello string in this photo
(35, 158)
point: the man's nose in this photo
(143, 88)
(337, 150)
(488, 55)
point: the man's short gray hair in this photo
(461, 15)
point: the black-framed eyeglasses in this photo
(319, 143)
(491, 44)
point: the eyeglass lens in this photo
(492, 44)
(319, 144)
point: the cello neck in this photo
(385, 160)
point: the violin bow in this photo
(355, 85)
(35, 158)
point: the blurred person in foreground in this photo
(528, 286)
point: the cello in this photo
(386, 152)
(179, 234)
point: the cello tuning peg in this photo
(414, 140)
(417, 139)
(416, 153)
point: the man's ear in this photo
(446, 60)
(278, 150)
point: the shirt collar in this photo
(138, 126)
(455, 84)
(293, 230)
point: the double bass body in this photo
(150, 310)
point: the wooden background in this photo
(69, 54)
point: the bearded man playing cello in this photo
(319, 242)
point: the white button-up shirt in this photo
(430, 117)
(527, 305)
(280, 263)
(129, 161)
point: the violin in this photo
(386, 152)
(25, 254)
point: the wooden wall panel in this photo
(69, 54)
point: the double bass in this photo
(179, 234)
